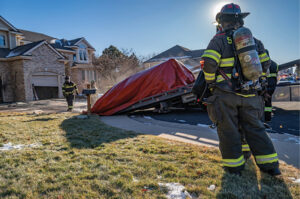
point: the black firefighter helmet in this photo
(231, 10)
(67, 78)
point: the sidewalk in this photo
(44, 106)
(287, 146)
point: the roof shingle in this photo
(34, 36)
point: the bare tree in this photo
(115, 65)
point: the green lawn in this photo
(84, 158)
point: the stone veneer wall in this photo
(68, 65)
(43, 59)
(17, 74)
(7, 82)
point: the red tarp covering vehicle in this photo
(163, 77)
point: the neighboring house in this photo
(190, 58)
(33, 65)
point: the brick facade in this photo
(43, 60)
(16, 75)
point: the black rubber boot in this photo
(272, 172)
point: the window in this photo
(83, 75)
(2, 41)
(83, 56)
(74, 57)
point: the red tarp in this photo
(163, 77)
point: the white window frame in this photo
(84, 52)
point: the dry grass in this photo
(84, 158)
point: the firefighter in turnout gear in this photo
(69, 90)
(236, 101)
(272, 82)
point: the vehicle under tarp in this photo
(158, 79)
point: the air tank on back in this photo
(247, 53)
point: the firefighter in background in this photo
(272, 82)
(69, 90)
(236, 76)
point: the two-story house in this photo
(33, 65)
(190, 58)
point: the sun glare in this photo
(218, 7)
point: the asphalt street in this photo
(283, 121)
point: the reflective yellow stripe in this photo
(264, 57)
(263, 159)
(243, 95)
(69, 86)
(277, 67)
(227, 62)
(268, 109)
(245, 147)
(209, 76)
(212, 54)
(71, 92)
(272, 75)
(263, 74)
(220, 78)
(234, 162)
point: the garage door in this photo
(45, 80)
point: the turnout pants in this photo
(234, 113)
(70, 99)
(268, 110)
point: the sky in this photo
(153, 26)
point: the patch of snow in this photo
(175, 191)
(181, 121)
(297, 181)
(37, 112)
(134, 180)
(291, 178)
(211, 187)
(12, 54)
(203, 125)
(293, 139)
(10, 146)
(81, 117)
(148, 117)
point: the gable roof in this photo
(64, 44)
(35, 36)
(25, 49)
(20, 50)
(9, 24)
(74, 41)
(59, 47)
(176, 52)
